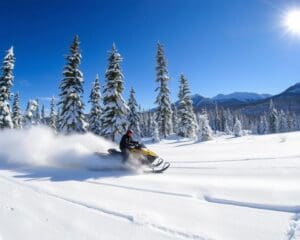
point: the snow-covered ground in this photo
(229, 188)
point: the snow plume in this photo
(39, 146)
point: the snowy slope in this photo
(241, 96)
(228, 188)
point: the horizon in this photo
(221, 48)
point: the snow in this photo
(227, 188)
(241, 96)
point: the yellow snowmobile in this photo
(145, 157)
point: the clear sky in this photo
(221, 46)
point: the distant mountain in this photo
(241, 96)
(287, 100)
(198, 99)
(251, 103)
(233, 101)
(295, 89)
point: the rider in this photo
(126, 144)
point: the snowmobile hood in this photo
(147, 152)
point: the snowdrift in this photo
(39, 146)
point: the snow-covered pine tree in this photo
(223, 120)
(57, 118)
(16, 112)
(115, 110)
(154, 130)
(30, 114)
(164, 110)
(95, 112)
(263, 125)
(254, 127)
(295, 121)
(43, 117)
(291, 122)
(175, 119)
(273, 118)
(52, 117)
(204, 129)
(72, 118)
(187, 126)
(6, 82)
(217, 119)
(237, 128)
(282, 122)
(227, 129)
(134, 116)
(143, 121)
(37, 114)
(148, 121)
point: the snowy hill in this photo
(287, 100)
(211, 191)
(241, 96)
(252, 103)
(295, 89)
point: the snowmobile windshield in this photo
(142, 145)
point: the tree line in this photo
(110, 115)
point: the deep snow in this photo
(228, 188)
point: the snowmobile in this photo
(140, 155)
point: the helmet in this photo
(129, 131)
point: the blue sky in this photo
(221, 46)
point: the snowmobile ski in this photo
(160, 170)
(158, 163)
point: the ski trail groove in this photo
(131, 218)
(270, 207)
(237, 160)
(175, 194)
(293, 232)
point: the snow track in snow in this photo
(136, 219)
(175, 194)
(237, 160)
(294, 228)
(245, 188)
(270, 207)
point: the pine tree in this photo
(175, 119)
(30, 114)
(95, 113)
(143, 121)
(217, 119)
(150, 116)
(6, 82)
(43, 117)
(72, 117)
(273, 118)
(155, 130)
(254, 127)
(164, 110)
(229, 119)
(134, 116)
(16, 113)
(52, 117)
(227, 129)
(204, 129)
(187, 120)
(291, 121)
(222, 120)
(282, 122)
(115, 110)
(57, 118)
(263, 125)
(237, 129)
(37, 114)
